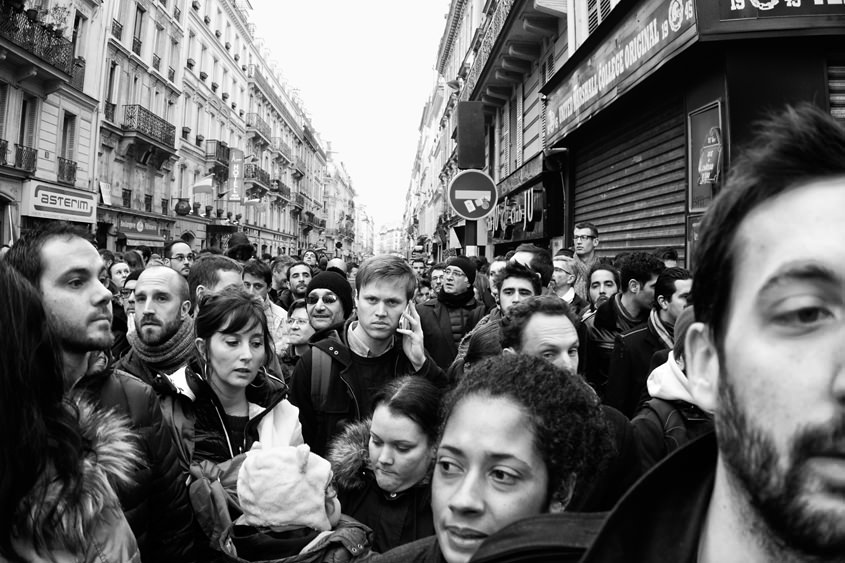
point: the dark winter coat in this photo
(155, 501)
(92, 527)
(661, 518)
(350, 385)
(601, 330)
(661, 427)
(396, 519)
(439, 330)
(425, 550)
(629, 368)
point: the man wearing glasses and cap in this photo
(333, 381)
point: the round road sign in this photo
(472, 194)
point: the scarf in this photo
(453, 301)
(169, 355)
(662, 331)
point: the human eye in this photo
(371, 299)
(375, 440)
(447, 467)
(257, 344)
(162, 297)
(76, 283)
(503, 477)
(507, 292)
(802, 316)
(549, 354)
(140, 298)
(231, 342)
(403, 448)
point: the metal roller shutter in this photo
(836, 86)
(631, 182)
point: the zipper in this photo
(226, 431)
(351, 394)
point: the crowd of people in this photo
(566, 406)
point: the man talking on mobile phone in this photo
(333, 382)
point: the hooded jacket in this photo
(89, 526)
(670, 418)
(155, 499)
(396, 519)
(349, 385)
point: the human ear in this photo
(703, 366)
(201, 348)
(185, 308)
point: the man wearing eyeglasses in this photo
(178, 256)
(564, 276)
(586, 240)
(329, 303)
(453, 313)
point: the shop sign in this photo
(755, 9)
(651, 35)
(518, 217)
(57, 202)
(236, 174)
(132, 226)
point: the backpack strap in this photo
(321, 370)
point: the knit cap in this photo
(337, 284)
(466, 266)
(284, 486)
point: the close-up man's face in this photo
(677, 302)
(780, 417)
(256, 286)
(563, 272)
(585, 241)
(159, 311)
(77, 304)
(324, 308)
(299, 277)
(181, 258)
(418, 267)
(436, 280)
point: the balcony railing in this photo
(254, 121)
(36, 39)
(300, 165)
(117, 29)
(108, 109)
(177, 13)
(67, 171)
(284, 189)
(136, 45)
(217, 151)
(254, 173)
(77, 77)
(171, 74)
(138, 118)
(299, 200)
(4, 148)
(156, 61)
(25, 158)
(284, 148)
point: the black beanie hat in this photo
(466, 265)
(336, 283)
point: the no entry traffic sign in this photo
(472, 194)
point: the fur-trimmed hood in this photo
(66, 518)
(349, 455)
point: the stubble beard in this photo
(781, 497)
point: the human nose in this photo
(385, 456)
(467, 495)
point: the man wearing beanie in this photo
(333, 381)
(163, 339)
(446, 319)
(328, 301)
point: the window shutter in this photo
(31, 116)
(4, 92)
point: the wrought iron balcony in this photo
(284, 189)
(25, 158)
(177, 13)
(117, 29)
(4, 148)
(36, 39)
(299, 200)
(299, 167)
(171, 74)
(217, 152)
(254, 123)
(255, 174)
(67, 171)
(283, 148)
(136, 45)
(140, 119)
(108, 109)
(156, 61)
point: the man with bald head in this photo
(163, 340)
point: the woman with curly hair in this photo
(58, 454)
(518, 433)
(382, 466)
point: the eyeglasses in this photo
(126, 292)
(183, 257)
(583, 237)
(454, 273)
(328, 299)
(564, 271)
(297, 321)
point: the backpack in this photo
(549, 538)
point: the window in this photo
(148, 203)
(4, 96)
(139, 21)
(68, 136)
(164, 209)
(127, 198)
(28, 117)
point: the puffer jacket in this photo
(396, 519)
(89, 525)
(444, 326)
(155, 499)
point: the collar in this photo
(569, 295)
(360, 348)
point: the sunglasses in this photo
(328, 299)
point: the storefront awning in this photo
(148, 241)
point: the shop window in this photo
(127, 198)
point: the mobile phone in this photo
(404, 324)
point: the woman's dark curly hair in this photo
(570, 430)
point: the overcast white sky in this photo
(364, 70)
